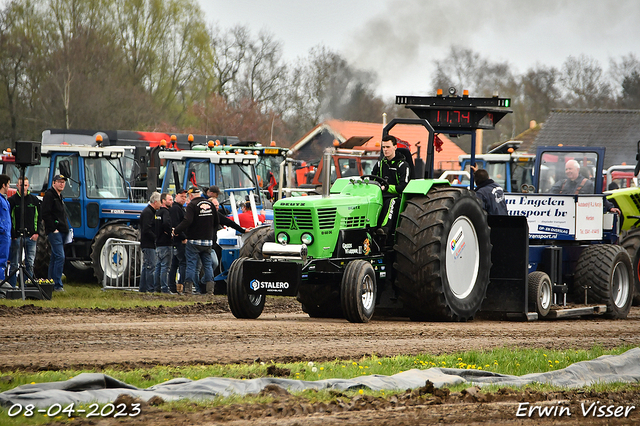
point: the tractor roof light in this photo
(190, 138)
(246, 161)
(211, 144)
(273, 143)
(163, 143)
(256, 152)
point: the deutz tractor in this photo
(328, 251)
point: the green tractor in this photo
(328, 251)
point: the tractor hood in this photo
(121, 209)
(319, 219)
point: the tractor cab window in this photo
(498, 172)
(198, 174)
(367, 165)
(553, 176)
(72, 188)
(348, 167)
(238, 179)
(104, 178)
(521, 174)
(170, 185)
(38, 175)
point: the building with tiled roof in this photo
(616, 130)
(350, 134)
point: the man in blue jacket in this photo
(5, 225)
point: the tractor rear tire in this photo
(243, 305)
(78, 271)
(116, 264)
(540, 293)
(358, 291)
(631, 243)
(606, 271)
(252, 245)
(443, 255)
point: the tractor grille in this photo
(354, 222)
(636, 200)
(293, 218)
(327, 218)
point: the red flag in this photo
(437, 142)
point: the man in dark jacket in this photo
(29, 234)
(56, 227)
(164, 244)
(491, 195)
(178, 260)
(394, 168)
(200, 224)
(148, 234)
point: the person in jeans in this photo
(164, 244)
(5, 225)
(148, 234)
(56, 227)
(200, 224)
(30, 232)
(178, 261)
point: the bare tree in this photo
(584, 83)
(540, 92)
(19, 33)
(626, 81)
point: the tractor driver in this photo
(394, 168)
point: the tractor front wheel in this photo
(242, 304)
(358, 291)
(443, 255)
(113, 261)
(605, 270)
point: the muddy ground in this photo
(45, 339)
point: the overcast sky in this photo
(400, 39)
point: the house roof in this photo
(353, 133)
(616, 130)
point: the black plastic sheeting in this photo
(95, 387)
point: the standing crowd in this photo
(178, 237)
(21, 230)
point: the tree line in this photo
(156, 65)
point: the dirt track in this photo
(37, 339)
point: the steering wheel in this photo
(382, 182)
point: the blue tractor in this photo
(97, 201)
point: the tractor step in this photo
(576, 312)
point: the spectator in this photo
(29, 234)
(199, 224)
(214, 192)
(5, 225)
(491, 194)
(148, 234)
(178, 261)
(56, 227)
(164, 244)
(246, 217)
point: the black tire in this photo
(426, 264)
(252, 244)
(540, 293)
(79, 272)
(118, 263)
(43, 255)
(320, 301)
(358, 291)
(631, 243)
(243, 305)
(606, 271)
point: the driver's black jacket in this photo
(395, 171)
